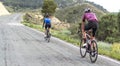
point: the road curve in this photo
(23, 46)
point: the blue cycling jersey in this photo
(47, 21)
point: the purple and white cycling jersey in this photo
(90, 17)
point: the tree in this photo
(49, 6)
(108, 28)
(118, 19)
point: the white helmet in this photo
(87, 10)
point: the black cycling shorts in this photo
(92, 25)
(47, 26)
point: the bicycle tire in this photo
(93, 51)
(47, 36)
(83, 51)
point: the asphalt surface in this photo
(23, 46)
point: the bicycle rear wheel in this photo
(48, 37)
(93, 51)
(82, 49)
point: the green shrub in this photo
(111, 50)
(110, 39)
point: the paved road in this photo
(23, 46)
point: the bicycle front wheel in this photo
(82, 49)
(93, 51)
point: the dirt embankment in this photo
(56, 23)
(3, 10)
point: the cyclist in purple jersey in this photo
(92, 23)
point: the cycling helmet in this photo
(87, 10)
(46, 15)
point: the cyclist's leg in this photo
(94, 29)
(49, 26)
(93, 33)
(87, 27)
(45, 29)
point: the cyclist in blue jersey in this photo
(47, 23)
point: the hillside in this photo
(3, 10)
(23, 3)
(66, 3)
(97, 6)
(74, 13)
(34, 4)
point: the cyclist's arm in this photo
(82, 26)
(43, 23)
(83, 23)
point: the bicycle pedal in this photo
(93, 54)
(88, 51)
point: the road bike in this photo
(48, 35)
(91, 47)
